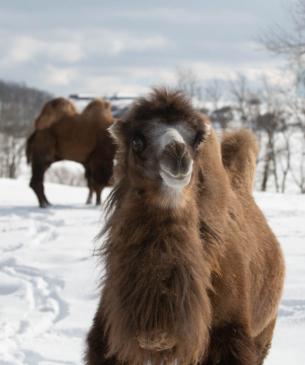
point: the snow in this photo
(49, 275)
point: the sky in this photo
(106, 47)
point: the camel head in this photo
(159, 141)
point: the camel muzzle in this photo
(176, 165)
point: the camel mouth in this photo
(172, 180)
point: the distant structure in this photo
(300, 83)
(119, 104)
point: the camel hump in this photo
(53, 111)
(239, 152)
(97, 109)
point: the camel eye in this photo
(199, 138)
(138, 143)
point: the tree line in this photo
(275, 114)
(19, 106)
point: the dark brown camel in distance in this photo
(52, 112)
(193, 273)
(75, 137)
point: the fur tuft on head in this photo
(162, 103)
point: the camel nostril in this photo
(176, 160)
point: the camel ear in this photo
(206, 123)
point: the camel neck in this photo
(144, 207)
(157, 266)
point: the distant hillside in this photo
(19, 105)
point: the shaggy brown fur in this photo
(75, 137)
(194, 280)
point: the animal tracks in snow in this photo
(41, 252)
(41, 294)
(49, 277)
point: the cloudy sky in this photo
(124, 46)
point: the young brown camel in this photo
(193, 272)
(75, 137)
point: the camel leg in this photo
(36, 183)
(230, 345)
(97, 345)
(98, 192)
(90, 195)
(90, 184)
(263, 341)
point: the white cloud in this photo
(187, 15)
(68, 51)
(61, 47)
(26, 49)
(273, 71)
(108, 85)
(56, 76)
(111, 42)
(129, 51)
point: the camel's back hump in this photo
(239, 152)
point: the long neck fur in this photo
(158, 282)
(157, 269)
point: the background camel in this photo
(193, 271)
(52, 112)
(75, 137)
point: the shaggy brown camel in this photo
(193, 272)
(75, 137)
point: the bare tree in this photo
(188, 82)
(288, 40)
(19, 105)
(285, 153)
(63, 173)
(247, 101)
(298, 170)
(270, 123)
(214, 93)
(222, 117)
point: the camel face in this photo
(161, 152)
(160, 139)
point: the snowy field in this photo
(49, 275)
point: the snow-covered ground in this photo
(49, 275)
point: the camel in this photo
(52, 112)
(75, 137)
(193, 273)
